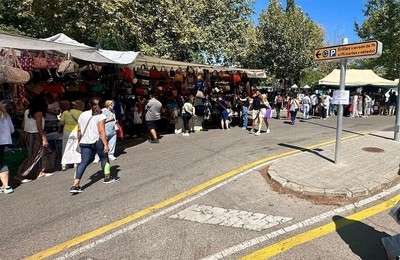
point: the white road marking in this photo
(229, 217)
(252, 242)
(228, 251)
(93, 244)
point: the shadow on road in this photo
(384, 137)
(363, 240)
(313, 151)
(97, 176)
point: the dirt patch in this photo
(319, 200)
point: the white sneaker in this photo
(6, 190)
(96, 160)
(268, 131)
(185, 134)
(257, 133)
(112, 157)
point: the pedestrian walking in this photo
(153, 116)
(92, 139)
(7, 128)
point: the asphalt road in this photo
(157, 209)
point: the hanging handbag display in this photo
(127, 74)
(154, 73)
(26, 61)
(90, 72)
(40, 62)
(143, 71)
(164, 73)
(178, 75)
(54, 61)
(236, 77)
(67, 67)
(11, 71)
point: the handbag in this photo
(26, 61)
(143, 71)
(236, 77)
(90, 73)
(67, 66)
(48, 159)
(178, 75)
(40, 62)
(120, 132)
(78, 147)
(53, 62)
(154, 73)
(13, 74)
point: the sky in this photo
(336, 16)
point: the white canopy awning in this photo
(158, 62)
(357, 78)
(63, 44)
(294, 86)
(306, 87)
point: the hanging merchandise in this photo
(172, 73)
(224, 76)
(236, 77)
(11, 71)
(68, 67)
(98, 88)
(26, 60)
(200, 74)
(214, 76)
(155, 73)
(19, 100)
(141, 91)
(142, 72)
(164, 73)
(178, 75)
(244, 77)
(199, 84)
(40, 62)
(53, 61)
(190, 77)
(90, 72)
(127, 74)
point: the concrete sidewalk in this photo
(368, 163)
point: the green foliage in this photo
(287, 41)
(382, 24)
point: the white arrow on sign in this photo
(229, 217)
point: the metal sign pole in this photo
(339, 128)
(397, 124)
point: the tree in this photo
(290, 6)
(383, 24)
(287, 41)
(184, 30)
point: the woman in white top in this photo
(92, 139)
(265, 114)
(7, 128)
(36, 141)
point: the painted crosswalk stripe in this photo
(229, 217)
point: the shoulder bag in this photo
(78, 148)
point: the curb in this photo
(369, 188)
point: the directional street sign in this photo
(362, 50)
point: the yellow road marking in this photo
(102, 230)
(289, 243)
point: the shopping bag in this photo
(48, 159)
